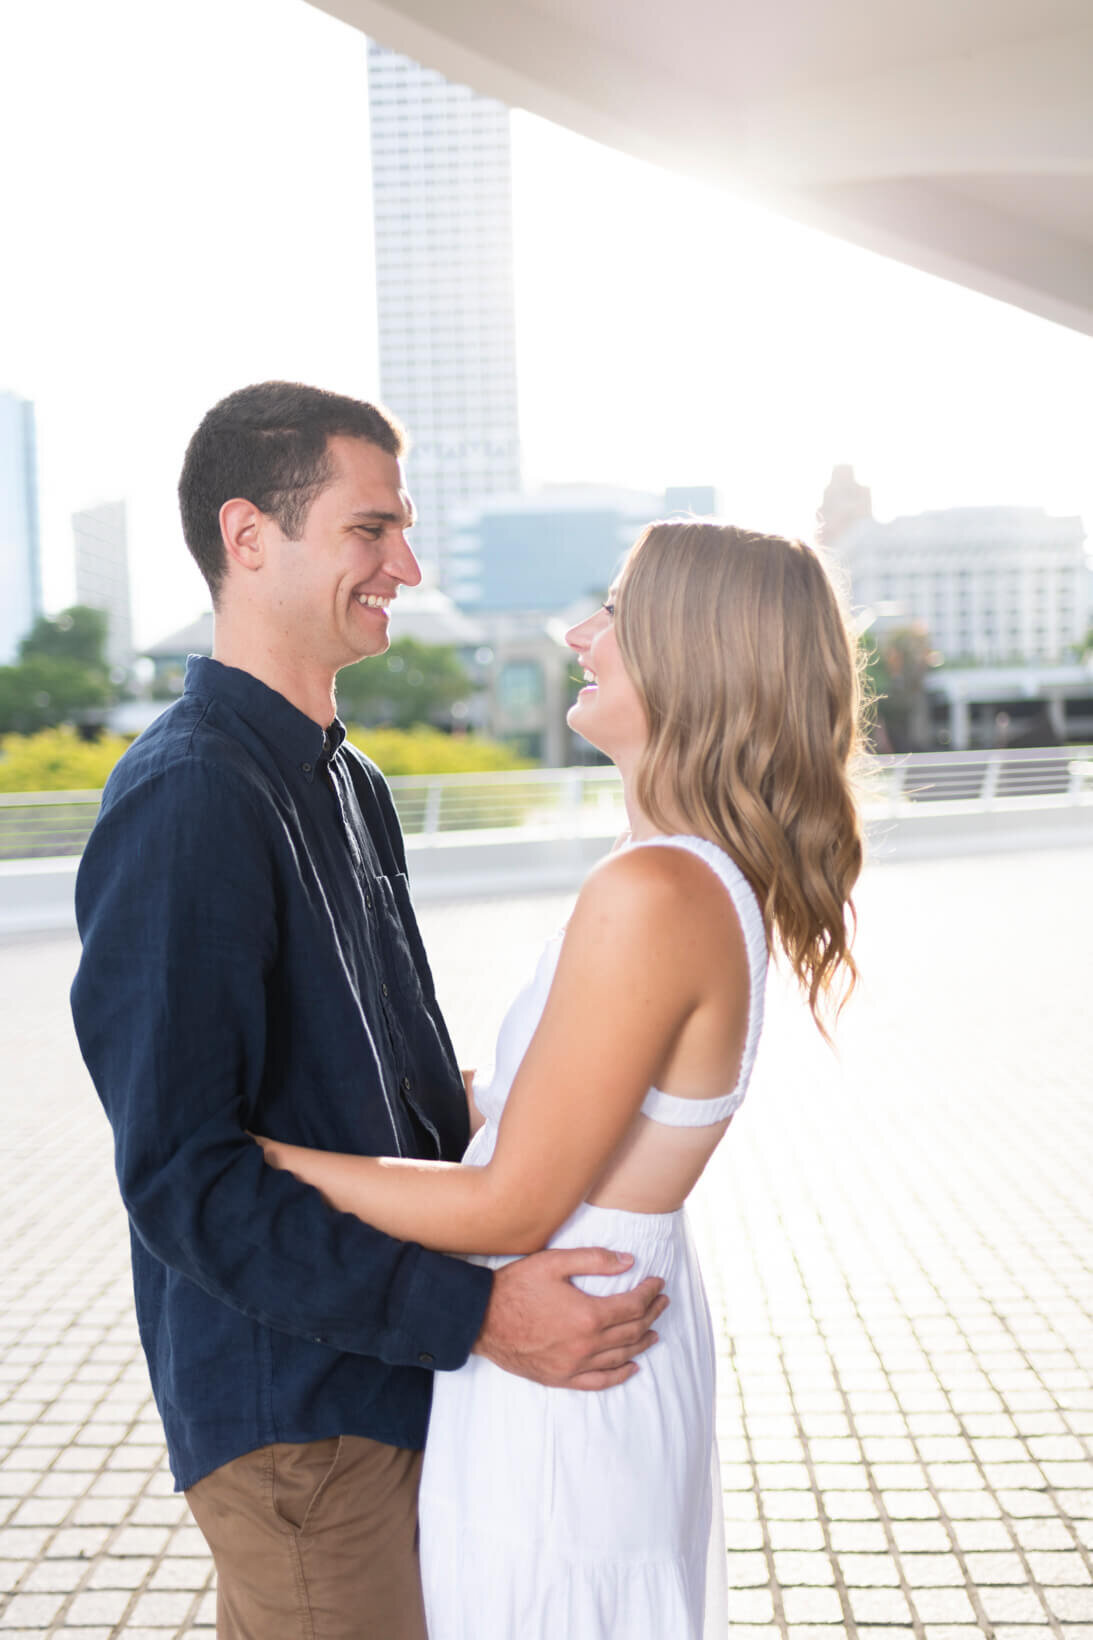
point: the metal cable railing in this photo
(587, 802)
(1034, 775)
(45, 825)
(581, 802)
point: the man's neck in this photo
(308, 687)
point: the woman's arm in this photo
(629, 974)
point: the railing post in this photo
(572, 811)
(991, 775)
(430, 823)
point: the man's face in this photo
(329, 592)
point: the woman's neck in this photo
(641, 826)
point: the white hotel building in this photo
(991, 584)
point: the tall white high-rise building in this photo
(102, 574)
(442, 195)
(20, 561)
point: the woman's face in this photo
(608, 711)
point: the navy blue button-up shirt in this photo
(251, 960)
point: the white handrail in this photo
(587, 801)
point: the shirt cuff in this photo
(442, 1309)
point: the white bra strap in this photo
(673, 1111)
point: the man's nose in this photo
(403, 564)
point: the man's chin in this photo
(362, 648)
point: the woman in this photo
(722, 682)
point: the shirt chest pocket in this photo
(399, 940)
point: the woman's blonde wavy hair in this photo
(737, 645)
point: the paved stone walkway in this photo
(899, 1246)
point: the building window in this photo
(520, 686)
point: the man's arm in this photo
(179, 933)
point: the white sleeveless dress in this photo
(553, 1514)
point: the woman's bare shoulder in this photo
(668, 892)
(645, 877)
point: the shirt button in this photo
(406, 1084)
(383, 988)
(368, 901)
(426, 1359)
(306, 767)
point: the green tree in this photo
(42, 692)
(76, 634)
(61, 675)
(412, 683)
(896, 666)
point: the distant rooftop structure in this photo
(845, 503)
(423, 612)
(431, 616)
(194, 639)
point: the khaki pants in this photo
(316, 1541)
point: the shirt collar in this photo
(290, 733)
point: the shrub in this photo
(427, 751)
(57, 760)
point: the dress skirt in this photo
(553, 1514)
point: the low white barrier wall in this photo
(36, 896)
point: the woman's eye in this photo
(610, 610)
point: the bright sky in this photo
(187, 208)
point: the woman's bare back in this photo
(658, 1162)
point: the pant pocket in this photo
(301, 1473)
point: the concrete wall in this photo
(36, 896)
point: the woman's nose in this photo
(579, 636)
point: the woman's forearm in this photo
(441, 1205)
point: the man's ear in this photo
(241, 528)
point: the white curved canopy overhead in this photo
(955, 135)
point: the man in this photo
(251, 962)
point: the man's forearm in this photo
(265, 1245)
